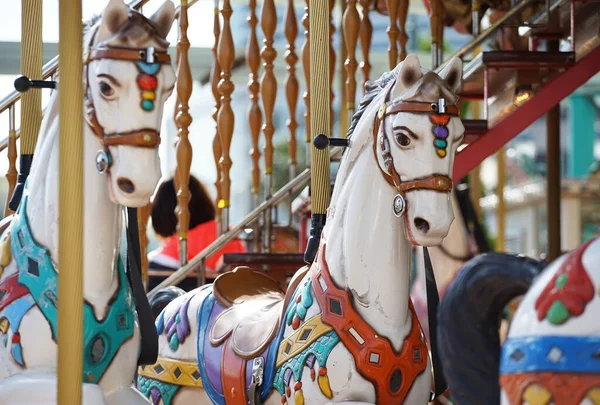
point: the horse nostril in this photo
(125, 185)
(422, 225)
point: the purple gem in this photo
(440, 132)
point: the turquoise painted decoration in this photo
(147, 105)
(157, 390)
(148, 68)
(102, 339)
(14, 313)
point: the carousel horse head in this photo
(128, 76)
(416, 132)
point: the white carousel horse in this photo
(127, 77)
(552, 353)
(345, 331)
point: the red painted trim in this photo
(233, 377)
(550, 95)
(374, 356)
(10, 290)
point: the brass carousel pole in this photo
(320, 118)
(70, 174)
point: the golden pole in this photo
(320, 119)
(501, 210)
(70, 174)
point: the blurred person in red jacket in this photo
(202, 231)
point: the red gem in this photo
(298, 386)
(312, 374)
(288, 391)
(295, 322)
(323, 371)
(283, 400)
(146, 82)
(16, 338)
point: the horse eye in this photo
(105, 89)
(403, 139)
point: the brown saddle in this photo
(255, 305)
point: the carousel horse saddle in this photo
(254, 309)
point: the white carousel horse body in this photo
(368, 254)
(139, 169)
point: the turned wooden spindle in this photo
(11, 173)
(351, 23)
(291, 82)
(403, 36)
(254, 111)
(268, 87)
(366, 33)
(143, 215)
(392, 31)
(437, 32)
(215, 75)
(183, 121)
(225, 117)
(306, 68)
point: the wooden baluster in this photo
(366, 33)
(392, 31)
(306, 68)
(437, 32)
(215, 75)
(11, 173)
(403, 36)
(351, 27)
(143, 214)
(225, 117)
(183, 121)
(332, 58)
(254, 111)
(268, 87)
(291, 83)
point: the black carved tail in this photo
(161, 299)
(468, 321)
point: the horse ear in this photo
(115, 15)
(452, 74)
(164, 17)
(409, 72)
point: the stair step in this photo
(524, 60)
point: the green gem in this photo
(147, 105)
(557, 313)
(561, 281)
(174, 343)
(177, 318)
(440, 143)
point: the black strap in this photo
(433, 300)
(149, 344)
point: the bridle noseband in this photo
(440, 115)
(148, 62)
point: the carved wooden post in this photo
(254, 111)
(351, 27)
(392, 31)
(306, 68)
(183, 121)
(269, 92)
(11, 173)
(366, 33)
(225, 117)
(403, 36)
(291, 82)
(215, 75)
(143, 216)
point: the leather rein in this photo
(144, 137)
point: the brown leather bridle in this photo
(436, 182)
(145, 137)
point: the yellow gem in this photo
(147, 138)
(323, 382)
(594, 395)
(381, 111)
(5, 250)
(537, 395)
(4, 324)
(441, 152)
(299, 398)
(148, 95)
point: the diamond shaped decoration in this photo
(287, 348)
(517, 355)
(305, 334)
(2, 294)
(122, 320)
(554, 355)
(374, 358)
(416, 355)
(33, 267)
(335, 306)
(177, 372)
(159, 369)
(196, 374)
(21, 238)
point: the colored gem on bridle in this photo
(439, 114)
